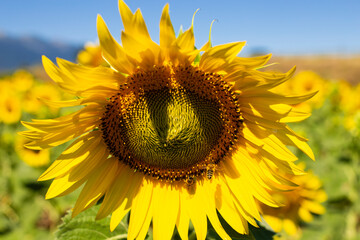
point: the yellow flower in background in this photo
(309, 81)
(349, 97)
(304, 82)
(22, 80)
(33, 99)
(298, 204)
(349, 102)
(5, 86)
(10, 107)
(91, 56)
(33, 158)
(169, 138)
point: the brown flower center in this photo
(171, 122)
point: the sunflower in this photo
(170, 132)
(346, 99)
(10, 106)
(91, 56)
(33, 158)
(22, 80)
(303, 82)
(298, 205)
(34, 98)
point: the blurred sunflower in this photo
(170, 134)
(10, 107)
(348, 94)
(32, 102)
(304, 82)
(298, 205)
(34, 158)
(22, 80)
(91, 56)
(348, 101)
(309, 81)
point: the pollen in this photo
(171, 122)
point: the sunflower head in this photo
(169, 124)
(298, 205)
(167, 137)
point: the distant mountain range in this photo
(16, 52)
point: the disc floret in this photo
(171, 122)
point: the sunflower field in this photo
(169, 141)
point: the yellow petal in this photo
(94, 160)
(140, 208)
(279, 112)
(91, 76)
(62, 186)
(241, 190)
(121, 192)
(256, 135)
(274, 222)
(167, 33)
(256, 178)
(227, 208)
(112, 51)
(47, 140)
(291, 140)
(271, 163)
(134, 24)
(96, 186)
(126, 15)
(313, 206)
(165, 208)
(252, 62)
(207, 194)
(215, 58)
(289, 226)
(266, 123)
(270, 98)
(51, 70)
(145, 227)
(182, 222)
(65, 184)
(195, 211)
(305, 215)
(261, 81)
(77, 152)
(86, 114)
(137, 48)
(186, 40)
(124, 202)
(79, 84)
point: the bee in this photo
(190, 180)
(210, 169)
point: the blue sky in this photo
(278, 26)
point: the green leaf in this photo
(85, 227)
